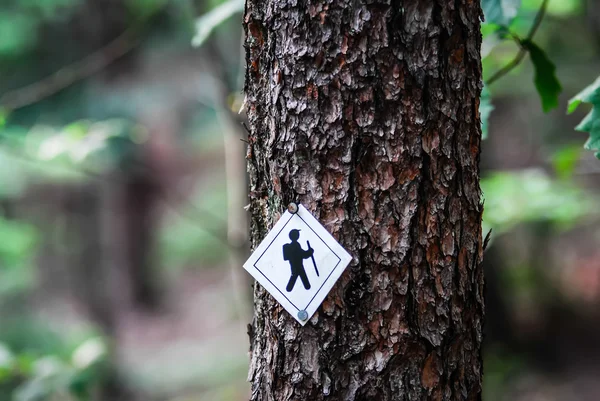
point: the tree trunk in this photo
(367, 114)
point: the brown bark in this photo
(368, 115)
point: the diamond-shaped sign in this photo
(298, 262)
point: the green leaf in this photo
(565, 160)
(215, 17)
(493, 35)
(591, 122)
(489, 29)
(562, 8)
(77, 130)
(17, 33)
(3, 117)
(512, 198)
(546, 82)
(7, 360)
(89, 352)
(500, 12)
(591, 94)
(17, 240)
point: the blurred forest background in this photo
(122, 194)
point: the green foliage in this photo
(560, 8)
(184, 242)
(529, 196)
(20, 20)
(6, 362)
(31, 377)
(500, 366)
(500, 12)
(207, 23)
(84, 140)
(39, 364)
(17, 33)
(545, 80)
(64, 154)
(590, 94)
(17, 245)
(565, 159)
(25, 335)
(12, 175)
(591, 123)
(16, 240)
(499, 16)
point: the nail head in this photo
(302, 315)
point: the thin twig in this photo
(246, 128)
(70, 74)
(73, 73)
(79, 70)
(508, 67)
(522, 50)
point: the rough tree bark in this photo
(366, 112)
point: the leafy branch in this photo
(522, 49)
(499, 15)
(591, 122)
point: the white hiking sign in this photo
(298, 262)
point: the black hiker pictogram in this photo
(294, 254)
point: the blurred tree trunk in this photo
(592, 13)
(141, 196)
(236, 180)
(368, 115)
(93, 280)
